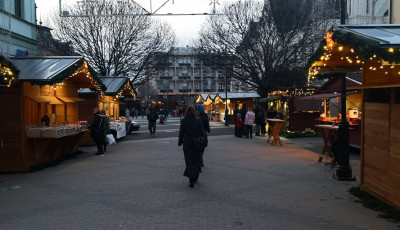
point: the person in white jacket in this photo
(248, 122)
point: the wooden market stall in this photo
(41, 123)
(214, 104)
(329, 95)
(298, 115)
(117, 87)
(375, 51)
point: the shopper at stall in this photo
(243, 112)
(152, 118)
(206, 127)
(106, 127)
(190, 127)
(248, 122)
(97, 131)
(235, 112)
(261, 120)
(239, 124)
(127, 112)
(256, 121)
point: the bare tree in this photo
(266, 45)
(133, 46)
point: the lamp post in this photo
(344, 172)
(226, 96)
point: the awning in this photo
(66, 99)
(47, 99)
(327, 95)
(43, 70)
(269, 99)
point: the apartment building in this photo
(18, 27)
(188, 77)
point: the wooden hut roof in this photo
(51, 70)
(115, 85)
(346, 47)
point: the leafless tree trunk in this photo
(266, 45)
(133, 46)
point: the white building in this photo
(367, 11)
(18, 27)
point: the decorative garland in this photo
(66, 73)
(366, 47)
(7, 63)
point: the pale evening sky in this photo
(186, 27)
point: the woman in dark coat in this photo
(206, 127)
(190, 127)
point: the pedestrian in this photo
(190, 127)
(248, 122)
(181, 113)
(235, 112)
(166, 114)
(206, 127)
(261, 120)
(256, 121)
(152, 118)
(142, 112)
(243, 112)
(97, 131)
(239, 124)
(106, 127)
(127, 113)
(136, 113)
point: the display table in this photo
(327, 132)
(119, 128)
(275, 126)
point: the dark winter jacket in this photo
(97, 129)
(152, 117)
(205, 122)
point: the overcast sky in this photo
(186, 27)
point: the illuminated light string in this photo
(7, 75)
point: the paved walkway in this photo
(246, 184)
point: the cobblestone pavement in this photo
(245, 184)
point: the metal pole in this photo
(343, 11)
(226, 97)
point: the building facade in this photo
(187, 77)
(367, 11)
(18, 27)
(394, 12)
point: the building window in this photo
(165, 73)
(220, 86)
(18, 8)
(196, 85)
(367, 7)
(184, 71)
(219, 74)
(349, 7)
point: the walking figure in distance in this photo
(190, 127)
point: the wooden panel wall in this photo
(12, 131)
(85, 108)
(394, 163)
(375, 160)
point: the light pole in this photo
(344, 172)
(226, 96)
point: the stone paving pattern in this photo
(245, 184)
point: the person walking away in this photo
(127, 113)
(97, 131)
(152, 118)
(206, 127)
(256, 121)
(243, 112)
(235, 112)
(166, 114)
(106, 128)
(239, 124)
(190, 127)
(249, 120)
(136, 113)
(261, 120)
(181, 113)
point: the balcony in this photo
(197, 90)
(208, 75)
(185, 90)
(165, 77)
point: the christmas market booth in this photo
(41, 123)
(109, 101)
(287, 104)
(214, 104)
(329, 95)
(375, 51)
